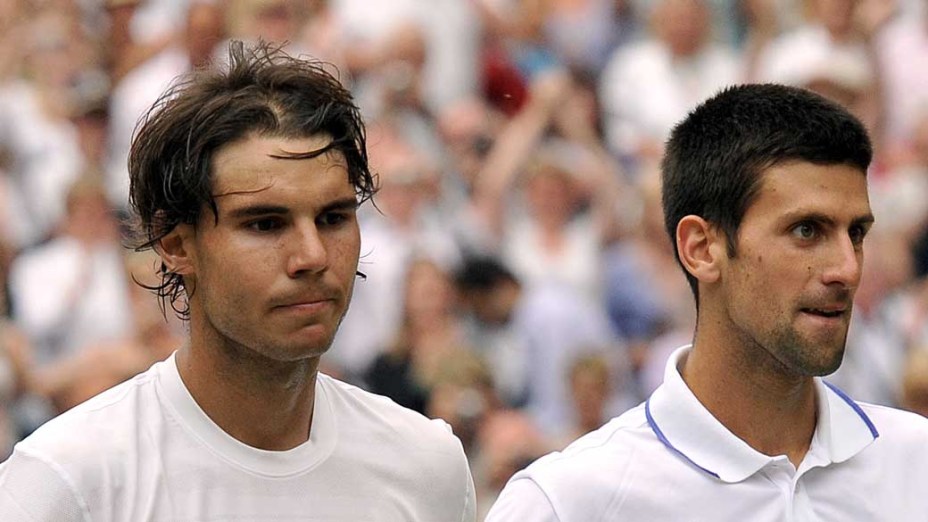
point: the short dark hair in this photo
(482, 274)
(262, 91)
(715, 157)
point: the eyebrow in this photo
(866, 219)
(257, 210)
(348, 203)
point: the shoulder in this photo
(380, 414)
(57, 472)
(421, 457)
(593, 472)
(900, 426)
(75, 437)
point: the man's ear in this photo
(701, 247)
(177, 250)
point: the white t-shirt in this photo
(145, 451)
(669, 459)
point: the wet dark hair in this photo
(716, 157)
(262, 91)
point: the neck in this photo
(773, 412)
(263, 403)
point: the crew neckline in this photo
(306, 456)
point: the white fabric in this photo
(577, 264)
(450, 28)
(808, 53)
(66, 297)
(531, 355)
(129, 102)
(645, 91)
(369, 327)
(145, 451)
(669, 459)
(46, 160)
(902, 49)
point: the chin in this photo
(821, 368)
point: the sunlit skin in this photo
(269, 280)
(777, 313)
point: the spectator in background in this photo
(430, 46)
(277, 21)
(430, 333)
(76, 377)
(591, 383)
(15, 368)
(833, 54)
(915, 382)
(140, 87)
(36, 131)
(551, 206)
(73, 291)
(902, 51)
(584, 33)
(399, 230)
(649, 85)
(507, 441)
(515, 54)
(529, 334)
(468, 130)
(647, 299)
(130, 39)
(13, 33)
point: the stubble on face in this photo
(779, 278)
(276, 270)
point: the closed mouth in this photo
(824, 312)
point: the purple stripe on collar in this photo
(665, 442)
(855, 406)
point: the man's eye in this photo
(332, 218)
(857, 234)
(264, 225)
(805, 231)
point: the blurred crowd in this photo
(519, 280)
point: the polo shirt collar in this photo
(688, 430)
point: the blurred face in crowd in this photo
(429, 291)
(551, 195)
(683, 25)
(272, 273)
(205, 29)
(467, 130)
(836, 15)
(274, 20)
(787, 294)
(589, 386)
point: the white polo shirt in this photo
(669, 459)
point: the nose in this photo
(845, 259)
(307, 252)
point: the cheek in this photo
(344, 252)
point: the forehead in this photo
(259, 164)
(796, 187)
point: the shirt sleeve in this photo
(522, 501)
(33, 490)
